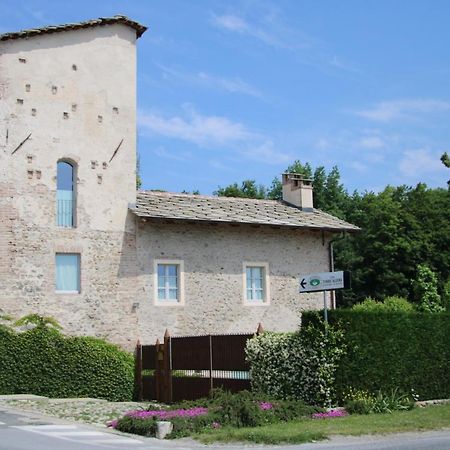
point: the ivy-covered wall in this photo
(42, 361)
(388, 350)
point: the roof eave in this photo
(101, 21)
(231, 222)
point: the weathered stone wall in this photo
(73, 94)
(213, 257)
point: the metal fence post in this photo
(138, 371)
(168, 394)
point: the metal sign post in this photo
(323, 282)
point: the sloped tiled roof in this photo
(140, 29)
(200, 208)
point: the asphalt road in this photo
(26, 431)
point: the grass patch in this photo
(307, 430)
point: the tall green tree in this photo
(446, 161)
(248, 189)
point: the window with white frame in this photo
(169, 282)
(256, 283)
(67, 273)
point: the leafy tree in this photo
(248, 189)
(401, 228)
(446, 161)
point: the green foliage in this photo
(238, 410)
(142, 427)
(388, 350)
(363, 402)
(38, 321)
(425, 290)
(138, 172)
(42, 361)
(298, 365)
(248, 189)
(358, 401)
(445, 159)
(446, 295)
(389, 304)
(401, 228)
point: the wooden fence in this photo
(188, 367)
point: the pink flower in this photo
(330, 414)
(192, 412)
(264, 406)
(112, 423)
(216, 425)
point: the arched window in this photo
(65, 194)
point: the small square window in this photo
(168, 282)
(68, 272)
(256, 285)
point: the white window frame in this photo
(173, 262)
(78, 273)
(266, 283)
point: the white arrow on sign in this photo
(325, 281)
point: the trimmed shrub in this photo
(389, 304)
(42, 361)
(298, 365)
(393, 350)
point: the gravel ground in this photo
(88, 410)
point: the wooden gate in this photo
(188, 367)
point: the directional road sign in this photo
(325, 281)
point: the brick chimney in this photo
(298, 191)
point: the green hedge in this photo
(388, 350)
(42, 361)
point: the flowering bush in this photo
(362, 402)
(264, 406)
(168, 414)
(330, 414)
(298, 365)
(243, 409)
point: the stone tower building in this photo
(78, 243)
(67, 174)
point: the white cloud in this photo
(266, 152)
(219, 165)
(163, 153)
(239, 25)
(399, 109)
(421, 161)
(371, 142)
(358, 166)
(272, 29)
(196, 128)
(212, 132)
(232, 85)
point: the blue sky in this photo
(234, 90)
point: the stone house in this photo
(79, 243)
